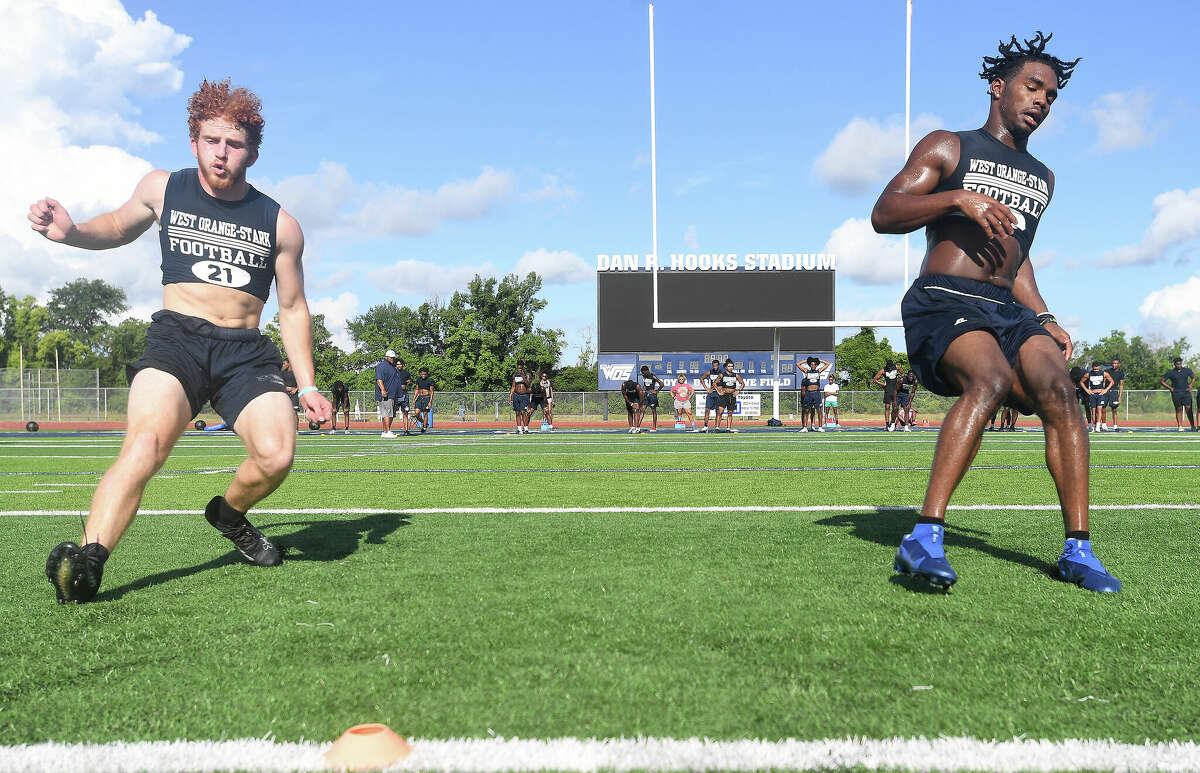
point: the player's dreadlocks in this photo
(1013, 56)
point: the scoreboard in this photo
(625, 310)
(627, 339)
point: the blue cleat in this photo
(921, 555)
(1079, 565)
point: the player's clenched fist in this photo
(50, 219)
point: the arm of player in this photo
(112, 229)
(295, 322)
(908, 201)
(1025, 292)
(878, 380)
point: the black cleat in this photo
(249, 541)
(74, 577)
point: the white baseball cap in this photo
(390, 353)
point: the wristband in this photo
(305, 391)
(1046, 318)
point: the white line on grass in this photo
(557, 510)
(621, 754)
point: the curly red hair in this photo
(215, 99)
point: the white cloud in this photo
(330, 281)
(552, 189)
(1121, 120)
(640, 161)
(1044, 258)
(869, 257)
(865, 152)
(1174, 308)
(1176, 220)
(337, 312)
(557, 267)
(331, 199)
(422, 278)
(689, 238)
(66, 72)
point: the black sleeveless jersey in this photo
(1013, 177)
(811, 379)
(225, 243)
(908, 382)
(1095, 380)
(890, 378)
(729, 381)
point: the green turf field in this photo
(725, 624)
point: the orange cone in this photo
(364, 747)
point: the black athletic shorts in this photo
(228, 367)
(938, 309)
(811, 398)
(650, 400)
(889, 395)
(341, 401)
(729, 401)
(903, 399)
(421, 403)
(1182, 399)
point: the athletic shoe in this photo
(249, 541)
(74, 577)
(1115, 428)
(804, 429)
(1181, 429)
(703, 429)
(908, 428)
(1078, 564)
(820, 429)
(735, 431)
(921, 554)
(1104, 426)
(389, 434)
(891, 428)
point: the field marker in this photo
(621, 754)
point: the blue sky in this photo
(419, 144)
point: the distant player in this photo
(519, 394)
(906, 389)
(810, 393)
(1096, 383)
(682, 392)
(729, 385)
(888, 377)
(831, 391)
(632, 393)
(547, 390)
(1112, 400)
(403, 406)
(423, 404)
(387, 389)
(341, 402)
(651, 385)
(1180, 381)
(712, 398)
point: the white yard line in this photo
(620, 754)
(556, 510)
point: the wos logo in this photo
(617, 371)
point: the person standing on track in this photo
(547, 390)
(1180, 381)
(712, 399)
(906, 390)
(888, 378)
(1115, 393)
(1095, 383)
(341, 402)
(975, 323)
(223, 242)
(423, 403)
(729, 385)
(810, 393)
(518, 395)
(651, 385)
(387, 392)
(682, 393)
(831, 391)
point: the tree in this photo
(863, 356)
(117, 346)
(329, 362)
(24, 321)
(80, 307)
(1143, 361)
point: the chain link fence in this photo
(45, 398)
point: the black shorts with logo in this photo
(729, 401)
(228, 367)
(1182, 399)
(650, 400)
(939, 308)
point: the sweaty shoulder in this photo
(288, 233)
(940, 148)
